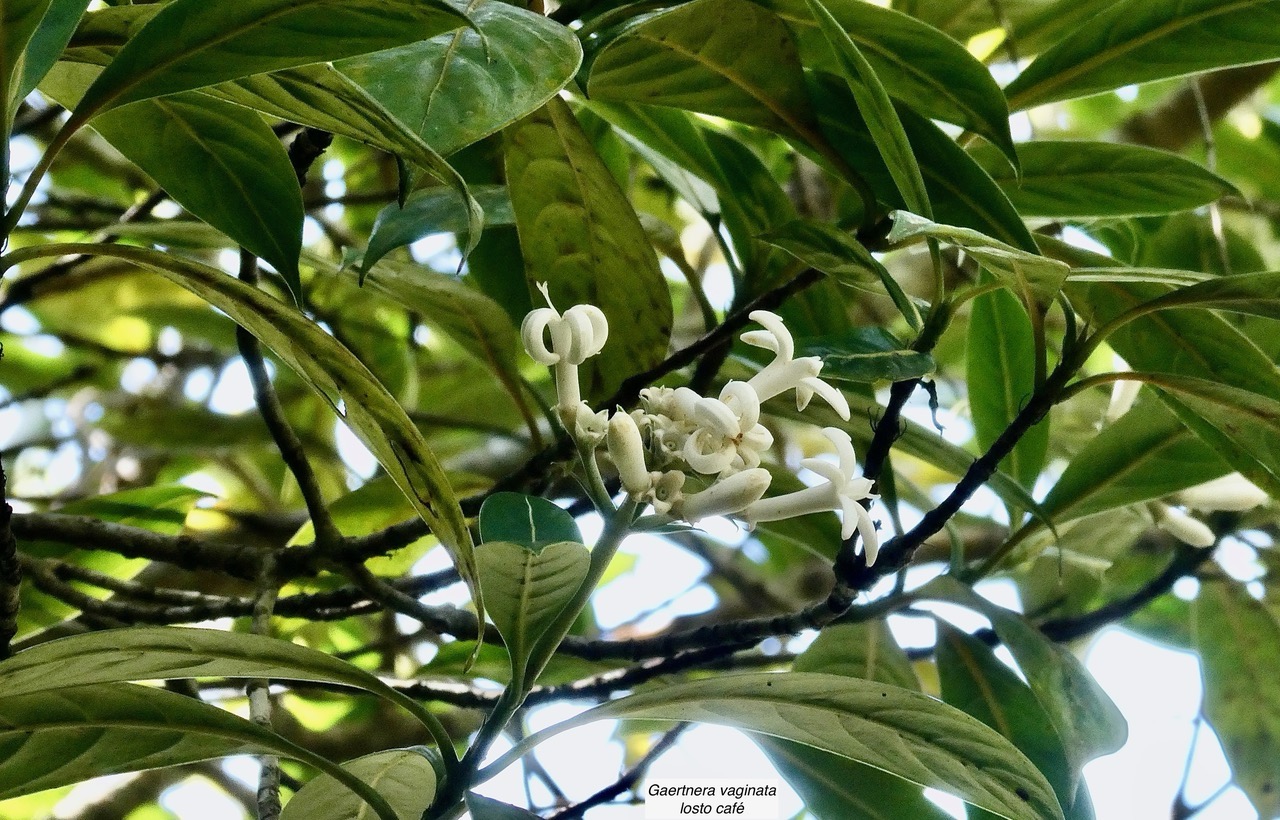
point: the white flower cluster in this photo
(677, 432)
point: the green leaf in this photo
(1205, 347)
(1156, 276)
(580, 235)
(246, 187)
(190, 44)
(486, 808)
(906, 733)
(960, 191)
(1244, 426)
(63, 736)
(526, 520)
(1254, 293)
(19, 20)
(864, 650)
(527, 588)
(1238, 640)
(322, 97)
(842, 257)
(836, 788)
(877, 111)
(156, 653)
(434, 210)
(1001, 371)
(1036, 280)
(404, 777)
(1145, 455)
(476, 322)
(457, 88)
(47, 43)
(917, 64)
(346, 384)
(975, 680)
(1085, 719)
(1137, 41)
(692, 57)
(1063, 179)
(867, 354)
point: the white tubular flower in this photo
(1233, 492)
(729, 436)
(726, 496)
(786, 371)
(842, 490)
(1182, 526)
(576, 336)
(626, 448)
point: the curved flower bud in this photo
(726, 496)
(626, 448)
(577, 335)
(1232, 492)
(1182, 526)
(785, 371)
(841, 490)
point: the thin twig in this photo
(628, 780)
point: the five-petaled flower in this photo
(786, 371)
(576, 336)
(841, 490)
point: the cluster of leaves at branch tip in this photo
(677, 434)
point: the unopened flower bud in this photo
(1183, 527)
(1232, 492)
(726, 496)
(626, 448)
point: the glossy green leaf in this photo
(1062, 179)
(322, 97)
(527, 589)
(486, 808)
(1244, 426)
(1036, 280)
(1001, 371)
(1238, 640)
(448, 304)
(960, 191)
(900, 731)
(836, 788)
(864, 650)
(1145, 455)
(580, 235)
(1137, 41)
(1207, 348)
(434, 210)
(19, 20)
(63, 736)
(867, 354)
(974, 680)
(1156, 276)
(692, 57)
(1254, 293)
(47, 42)
(917, 64)
(346, 384)
(877, 111)
(842, 257)
(526, 520)
(155, 653)
(1087, 721)
(674, 136)
(404, 778)
(457, 88)
(189, 44)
